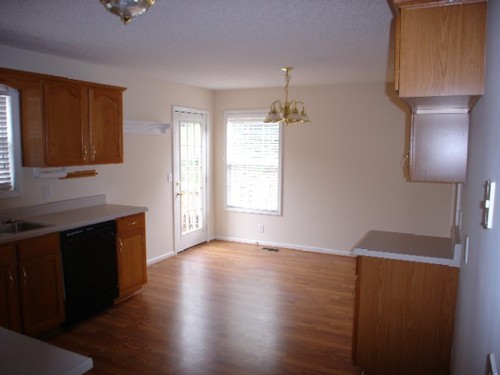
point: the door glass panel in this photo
(191, 177)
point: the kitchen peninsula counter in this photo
(408, 247)
(405, 298)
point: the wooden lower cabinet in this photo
(131, 254)
(31, 286)
(9, 291)
(404, 316)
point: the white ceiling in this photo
(215, 44)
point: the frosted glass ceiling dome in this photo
(126, 9)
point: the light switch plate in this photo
(489, 204)
(466, 249)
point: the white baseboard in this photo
(287, 246)
(154, 260)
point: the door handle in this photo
(181, 193)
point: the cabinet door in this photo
(106, 125)
(442, 50)
(405, 313)
(9, 292)
(42, 297)
(438, 147)
(66, 123)
(131, 239)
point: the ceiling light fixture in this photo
(287, 112)
(126, 9)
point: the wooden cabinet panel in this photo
(41, 284)
(106, 134)
(9, 292)
(405, 315)
(438, 147)
(65, 104)
(131, 238)
(442, 50)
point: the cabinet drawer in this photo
(131, 222)
(7, 253)
(39, 246)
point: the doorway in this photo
(190, 177)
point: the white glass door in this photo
(189, 131)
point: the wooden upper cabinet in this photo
(426, 3)
(438, 147)
(105, 125)
(67, 122)
(440, 52)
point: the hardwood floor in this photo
(228, 309)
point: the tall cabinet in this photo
(439, 73)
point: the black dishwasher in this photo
(90, 270)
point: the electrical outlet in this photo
(260, 227)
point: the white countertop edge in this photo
(22, 354)
(57, 222)
(455, 262)
(82, 368)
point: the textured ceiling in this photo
(215, 44)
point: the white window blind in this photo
(9, 162)
(253, 163)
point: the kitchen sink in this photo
(18, 226)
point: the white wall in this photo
(342, 173)
(477, 324)
(142, 179)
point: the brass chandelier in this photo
(126, 9)
(287, 112)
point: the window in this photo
(253, 163)
(10, 163)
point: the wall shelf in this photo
(146, 127)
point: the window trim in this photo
(16, 142)
(279, 210)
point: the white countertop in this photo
(24, 355)
(70, 219)
(409, 247)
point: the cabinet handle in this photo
(11, 280)
(24, 276)
(85, 152)
(93, 152)
(132, 223)
(121, 244)
(405, 163)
